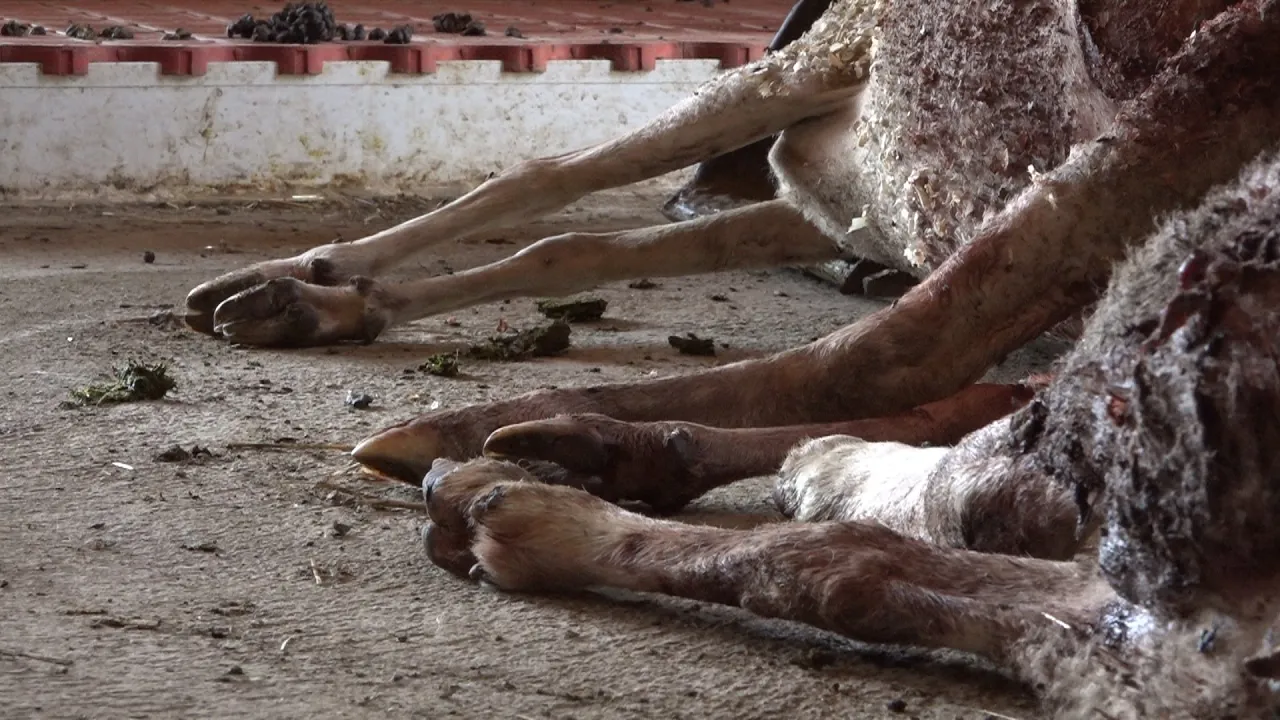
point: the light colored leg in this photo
(289, 312)
(734, 110)
(494, 523)
(979, 495)
(1039, 261)
(668, 464)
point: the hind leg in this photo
(732, 111)
(668, 464)
(1043, 258)
(980, 495)
(764, 235)
(742, 175)
(491, 522)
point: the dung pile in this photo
(298, 23)
(309, 24)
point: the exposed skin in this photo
(1029, 267)
(1182, 477)
(668, 464)
(1152, 442)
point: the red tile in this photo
(633, 34)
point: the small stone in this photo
(897, 705)
(148, 257)
(359, 400)
(175, 453)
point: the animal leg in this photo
(288, 311)
(1212, 108)
(982, 495)
(668, 464)
(493, 523)
(742, 175)
(731, 111)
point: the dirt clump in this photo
(133, 382)
(690, 344)
(574, 311)
(540, 341)
(441, 365)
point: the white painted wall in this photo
(124, 131)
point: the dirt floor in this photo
(233, 586)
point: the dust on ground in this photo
(229, 585)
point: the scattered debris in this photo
(815, 659)
(340, 529)
(38, 658)
(234, 608)
(179, 454)
(148, 257)
(13, 28)
(540, 341)
(690, 344)
(132, 383)
(290, 444)
(513, 32)
(125, 623)
(80, 32)
(342, 495)
(204, 547)
(328, 575)
(116, 32)
(719, 298)
(896, 705)
(441, 364)
(574, 311)
(177, 34)
(457, 24)
(167, 320)
(359, 400)
(642, 284)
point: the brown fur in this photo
(1158, 623)
(1011, 152)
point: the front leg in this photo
(493, 523)
(668, 464)
(733, 110)
(1213, 108)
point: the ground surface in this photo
(188, 590)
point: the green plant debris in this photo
(540, 341)
(134, 382)
(690, 344)
(574, 311)
(441, 364)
